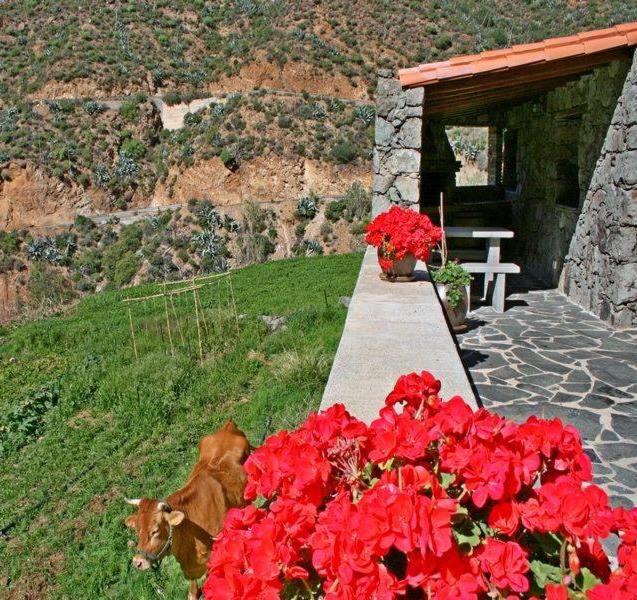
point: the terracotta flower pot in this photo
(456, 315)
(397, 270)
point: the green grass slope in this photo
(82, 424)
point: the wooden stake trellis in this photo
(160, 323)
(170, 337)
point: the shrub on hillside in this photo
(355, 205)
(358, 202)
(9, 242)
(326, 231)
(335, 209)
(133, 149)
(254, 246)
(24, 422)
(126, 268)
(229, 159)
(88, 262)
(130, 111)
(120, 259)
(48, 287)
(172, 98)
(344, 151)
(191, 119)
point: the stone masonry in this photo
(600, 271)
(543, 226)
(397, 155)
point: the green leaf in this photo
(446, 479)
(467, 534)
(388, 465)
(545, 573)
(549, 543)
(586, 580)
(460, 515)
(260, 501)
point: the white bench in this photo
(500, 270)
(492, 267)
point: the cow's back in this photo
(229, 442)
(205, 501)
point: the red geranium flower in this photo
(506, 564)
(432, 496)
(401, 231)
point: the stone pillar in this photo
(600, 270)
(494, 150)
(398, 144)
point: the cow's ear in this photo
(175, 517)
(131, 521)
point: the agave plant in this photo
(209, 243)
(307, 207)
(309, 248)
(101, 176)
(91, 107)
(126, 168)
(208, 217)
(44, 249)
(366, 114)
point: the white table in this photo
(492, 265)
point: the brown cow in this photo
(185, 523)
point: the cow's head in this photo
(153, 522)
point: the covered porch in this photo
(559, 117)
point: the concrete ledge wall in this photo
(392, 329)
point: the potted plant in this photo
(402, 237)
(452, 282)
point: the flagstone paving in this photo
(545, 356)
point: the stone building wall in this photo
(398, 143)
(586, 244)
(600, 272)
(543, 227)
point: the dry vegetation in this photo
(131, 46)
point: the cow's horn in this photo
(133, 501)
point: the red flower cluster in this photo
(399, 232)
(432, 500)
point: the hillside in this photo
(53, 48)
(276, 101)
(83, 424)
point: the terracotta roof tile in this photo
(552, 49)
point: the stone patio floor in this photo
(545, 356)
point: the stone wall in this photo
(397, 154)
(600, 271)
(543, 227)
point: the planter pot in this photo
(458, 315)
(400, 270)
